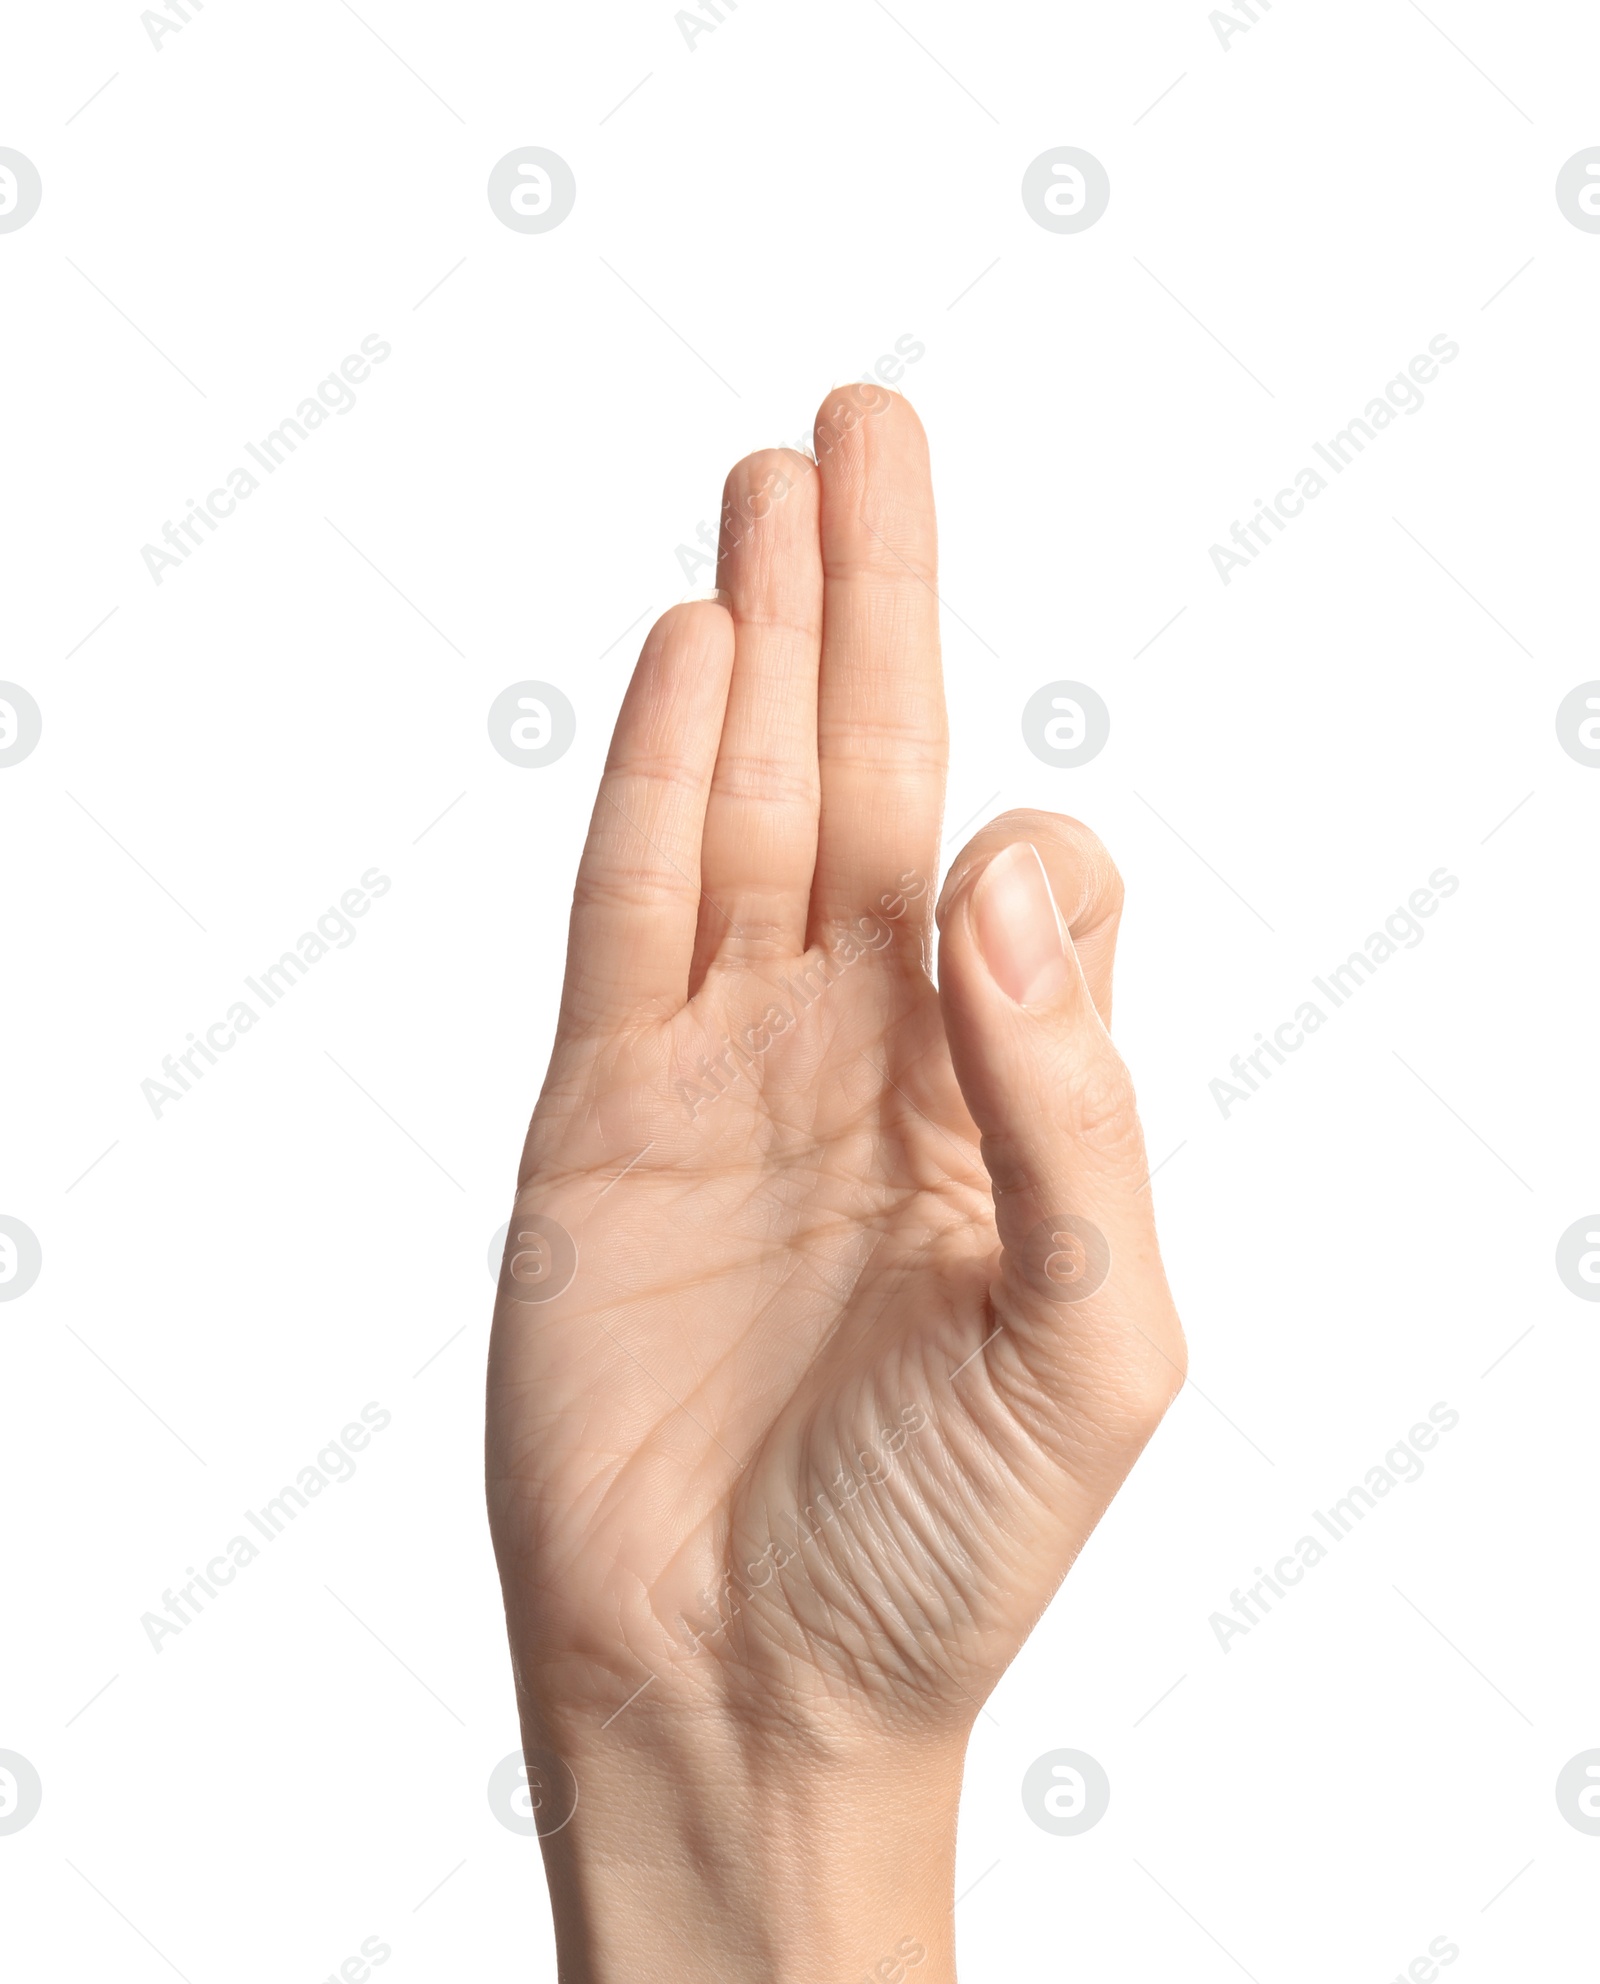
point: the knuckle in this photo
(766, 778)
(1097, 1106)
(649, 777)
(627, 889)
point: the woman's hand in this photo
(866, 1321)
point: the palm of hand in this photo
(800, 1425)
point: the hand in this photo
(867, 1322)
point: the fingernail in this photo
(716, 596)
(1018, 929)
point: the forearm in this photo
(696, 1851)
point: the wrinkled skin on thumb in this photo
(1028, 923)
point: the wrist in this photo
(689, 1846)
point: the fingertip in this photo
(684, 665)
(699, 626)
(867, 406)
(1083, 879)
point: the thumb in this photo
(1079, 1286)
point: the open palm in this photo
(832, 1315)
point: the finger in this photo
(882, 741)
(1083, 880)
(1080, 1296)
(761, 819)
(637, 898)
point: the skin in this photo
(780, 1480)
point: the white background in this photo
(226, 754)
